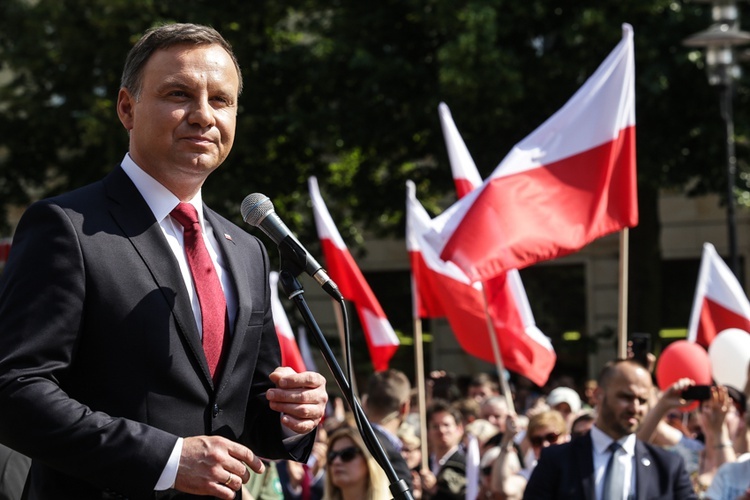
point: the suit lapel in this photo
(644, 470)
(133, 215)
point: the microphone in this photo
(257, 210)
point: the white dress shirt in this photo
(601, 442)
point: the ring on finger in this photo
(229, 480)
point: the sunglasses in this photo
(551, 438)
(346, 454)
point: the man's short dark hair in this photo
(386, 392)
(481, 379)
(440, 406)
(163, 37)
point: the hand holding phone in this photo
(697, 393)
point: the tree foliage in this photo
(348, 91)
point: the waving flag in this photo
(571, 181)
(381, 339)
(720, 302)
(464, 170)
(290, 354)
(445, 290)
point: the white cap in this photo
(564, 395)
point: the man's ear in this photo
(403, 410)
(598, 395)
(125, 108)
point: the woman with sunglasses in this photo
(352, 473)
(546, 428)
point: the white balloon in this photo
(730, 356)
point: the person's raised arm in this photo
(653, 428)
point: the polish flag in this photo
(444, 290)
(571, 181)
(290, 354)
(464, 170)
(467, 178)
(720, 302)
(381, 339)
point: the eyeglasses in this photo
(346, 454)
(551, 438)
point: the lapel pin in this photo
(227, 236)
(646, 462)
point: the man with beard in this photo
(610, 462)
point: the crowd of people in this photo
(558, 443)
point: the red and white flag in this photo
(381, 339)
(442, 289)
(464, 170)
(571, 181)
(720, 302)
(290, 354)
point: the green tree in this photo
(349, 90)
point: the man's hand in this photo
(215, 466)
(301, 397)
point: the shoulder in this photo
(456, 463)
(658, 453)
(563, 450)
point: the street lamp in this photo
(719, 41)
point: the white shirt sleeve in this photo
(169, 474)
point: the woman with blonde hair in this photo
(352, 473)
(544, 429)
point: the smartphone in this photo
(697, 393)
(640, 344)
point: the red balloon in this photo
(683, 359)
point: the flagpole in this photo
(498, 357)
(342, 340)
(419, 374)
(622, 326)
(421, 390)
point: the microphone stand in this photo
(290, 269)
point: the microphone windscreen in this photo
(255, 207)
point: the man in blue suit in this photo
(121, 376)
(579, 469)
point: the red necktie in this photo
(210, 295)
(306, 488)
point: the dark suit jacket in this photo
(451, 479)
(567, 471)
(394, 457)
(101, 364)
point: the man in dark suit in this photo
(579, 469)
(447, 478)
(120, 375)
(386, 404)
